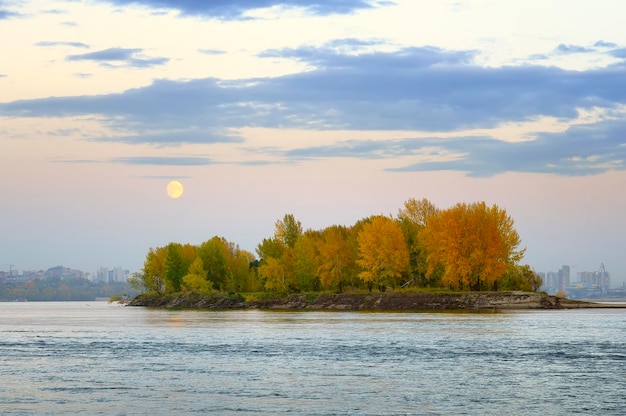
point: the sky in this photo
(330, 110)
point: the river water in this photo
(100, 358)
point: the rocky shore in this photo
(389, 301)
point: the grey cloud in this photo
(568, 49)
(411, 89)
(174, 137)
(409, 58)
(7, 14)
(619, 53)
(211, 51)
(72, 44)
(129, 57)
(603, 44)
(582, 150)
(164, 160)
(235, 9)
(414, 88)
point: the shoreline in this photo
(387, 301)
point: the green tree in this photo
(214, 254)
(175, 268)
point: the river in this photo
(93, 358)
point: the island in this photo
(387, 301)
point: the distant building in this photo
(599, 280)
(102, 275)
(563, 279)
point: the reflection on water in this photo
(96, 358)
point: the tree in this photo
(383, 252)
(273, 272)
(473, 243)
(336, 257)
(153, 273)
(195, 281)
(414, 218)
(214, 259)
(308, 260)
(239, 267)
(175, 268)
(519, 277)
(270, 247)
(288, 230)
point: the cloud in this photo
(423, 89)
(236, 9)
(603, 44)
(569, 49)
(164, 160)
(619, 53)
(72, 44)
(211, 51)
(410, 89)
(127, 57)
(7, 14)
(581, 150)
(174, 137)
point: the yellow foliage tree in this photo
(383, 254)
(413, 218)
(336, 257)
(195, 281)
(273, 272)
(153, 273)
(308, 260)
(474, 243)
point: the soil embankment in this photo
(388, 301)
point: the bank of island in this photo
(387, 301)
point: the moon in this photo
(174, 189)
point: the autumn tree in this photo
(241, 279)
(281, 248)
(473, 243)
(273, 273)
(195, 281)
(288, 230)
(308, 260)
(153, 273)
(336, 257)
(413, 219)
(383, 254)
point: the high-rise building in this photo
(563, 278)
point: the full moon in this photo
(174, 189)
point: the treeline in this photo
(465, 247)
(61, 289)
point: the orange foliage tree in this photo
(473, 243)
(383, 254)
